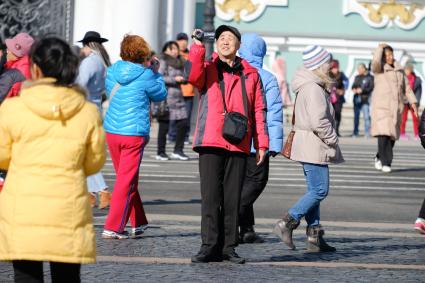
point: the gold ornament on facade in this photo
(393, 10)
(237, 6)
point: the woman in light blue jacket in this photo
(253, 49)
(131, 85)
(91, 76)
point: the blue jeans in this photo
(317, 179)
(364, 108)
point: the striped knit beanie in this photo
(314, 56)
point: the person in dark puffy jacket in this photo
(131, 84)
(226, 84)
(362, 89)
(253, 49)
(172, 69)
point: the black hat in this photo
(92, 36)
(182, 36)
(224, 28)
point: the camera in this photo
(203, 35)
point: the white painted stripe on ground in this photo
(326, 264)
(299, 173)
(338, 187)
(345, 224)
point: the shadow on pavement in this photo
(165, 202)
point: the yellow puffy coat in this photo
(51, 138)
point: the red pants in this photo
(126, 153)
(404, 120)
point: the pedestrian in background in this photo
(415, 84)
(253, 49)
(420, 221)
(17, 66)
(131, 84)
(51, 139)
(390, 91)
(187, 89)
(338, 92)
(172, 70)
(362, 89)
(91, 76)
(315, 146)
(228, 85)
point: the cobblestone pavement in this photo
(163, 254)
(368, 217)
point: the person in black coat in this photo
(362, 89)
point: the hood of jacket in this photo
(253, 49)
(50, 101)
(125, 72)
(303, 77)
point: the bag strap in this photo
(293, 112)
(114, 90)
(223, 91)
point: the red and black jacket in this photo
(205, 77)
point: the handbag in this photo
(235, 124)
(287, 148)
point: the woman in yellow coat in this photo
(51, 138)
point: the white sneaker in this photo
(378, 164)
(162, 157)
(386, 169)
(180, 156)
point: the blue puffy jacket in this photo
(253, 49)
(128, 112)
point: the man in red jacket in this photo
(231, 80)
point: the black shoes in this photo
(232, 256)
(315, 241)
(205, 257)
(247, 235)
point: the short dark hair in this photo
(55, 59)
(182, 36)
(168, 44)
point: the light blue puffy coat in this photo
(128, 112)
(253, 49)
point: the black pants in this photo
(222, 173)
(422, 211)
(338, 109)
(181, 128)
(32, 271)
(255, 181)
(385, 150)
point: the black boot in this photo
(284, 229)
(247, 235)
(315, 241)
(204, 256)
(232, 256)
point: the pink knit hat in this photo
(20, 44)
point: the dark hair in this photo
(168, 44)
(386, 48)
(55, 59)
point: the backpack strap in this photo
(114, 90)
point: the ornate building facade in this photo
(350, 29)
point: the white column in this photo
(189, 16)
(115, 18)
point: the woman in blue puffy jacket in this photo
(131, 84)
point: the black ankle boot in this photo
(315, 241)
(247, 235)
(284, 229)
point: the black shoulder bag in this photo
(235, 124)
